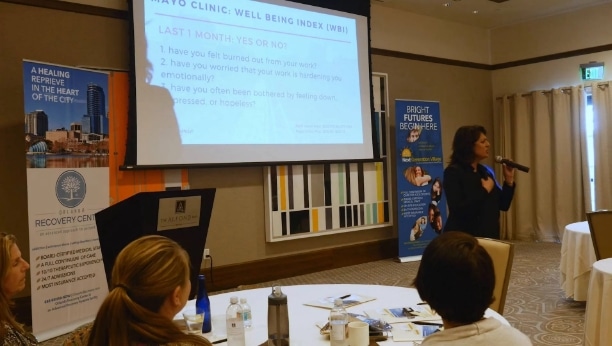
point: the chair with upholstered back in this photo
(502, 254)
(600, 226)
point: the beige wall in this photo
(417, 34)
(237, 233)
(546, 75)
(583, 29)
(590, 27)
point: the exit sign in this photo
(592, 71)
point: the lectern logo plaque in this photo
(175, 212)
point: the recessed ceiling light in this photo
(475, 12)
(447, 4)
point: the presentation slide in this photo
(250, 81)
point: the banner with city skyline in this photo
(66, 147)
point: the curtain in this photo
(543, 130)
(602, 144)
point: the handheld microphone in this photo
(512, 164)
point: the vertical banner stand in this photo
(421, 205)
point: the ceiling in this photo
(491, 13)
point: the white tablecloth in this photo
(577, 258)
(302, 318)
(598, 316)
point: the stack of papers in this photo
(410, 323)
(348, 299)
(419, 312)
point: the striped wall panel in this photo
(315, 199)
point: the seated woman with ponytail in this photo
(149, 286)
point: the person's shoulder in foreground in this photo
(13, 337)
(80, 337)
(488, 331)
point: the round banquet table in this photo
(303, 319)
(598, 313)
(577, 258)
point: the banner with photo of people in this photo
(67, 158)
(421, 205)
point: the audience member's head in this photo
(456, 278)
(149, 286)
(13, 268)
(13, 273)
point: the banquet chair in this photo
(502, 254)
(600, 226)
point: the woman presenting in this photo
(474, 197)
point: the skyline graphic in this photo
(61, 92)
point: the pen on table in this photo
(407, 312)
(346, 296)
(219, 341)
(424, 323)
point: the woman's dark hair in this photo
(463, 144)
(456, 277)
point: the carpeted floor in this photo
(535, 303)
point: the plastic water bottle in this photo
(234, 324)
(278, 318)
(338, 321)
(203, 304)
(246, 313)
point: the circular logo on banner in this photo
(70, 189)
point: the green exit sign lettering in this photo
(592, 71)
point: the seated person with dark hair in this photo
(456, 278)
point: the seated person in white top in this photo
(456, 279)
